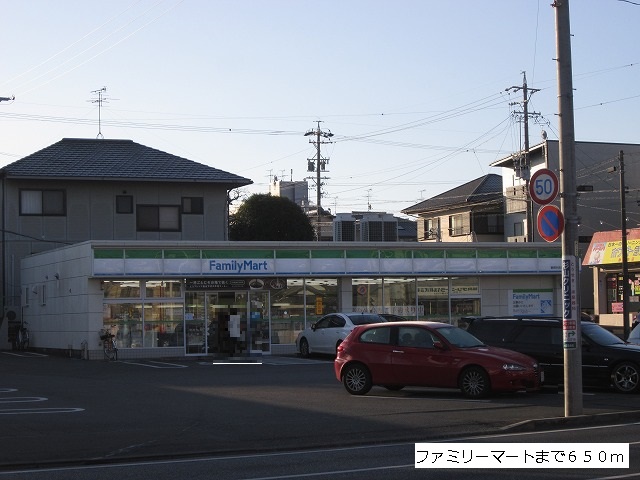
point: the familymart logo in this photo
(240, 266)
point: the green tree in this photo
(266, 217)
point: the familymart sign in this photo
(168, 262)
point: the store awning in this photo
(606, 247)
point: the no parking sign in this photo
(550, 222)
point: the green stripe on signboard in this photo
(295, 254)
(142, 254)
(523, 254)
(428, 254)
(461, 253)
(182, 254)
(235, 254)
(362, 253)
(555, 253)
(109, 254)
(327, 253)
(492, 254)
(396, 254)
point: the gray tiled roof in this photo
(79, 158)
(480, 190)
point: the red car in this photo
(430, 354)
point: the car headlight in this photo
(513, 367)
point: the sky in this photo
(417, 93)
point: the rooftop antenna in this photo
(100, 100)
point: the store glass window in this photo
(321, 297)
(433, 299)
(163, 289)
(400, 297)
(367, 295)
(124, 320)
(121, 289)
(465, 297)
(163, 325)
(287, 311)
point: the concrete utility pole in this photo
(625, 261)
(525, 167)
(571, 328)
(319, 164)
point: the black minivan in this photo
(606, 359)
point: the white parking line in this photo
(29, 411)
(26, 354)
(23, 399)
(155, 364)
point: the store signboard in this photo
(611, 252)
(538, 302)
(140, 262)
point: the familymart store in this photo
(229, 299)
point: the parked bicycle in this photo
(110, 347)
(22, 337)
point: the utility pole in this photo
(4, 243)
(571, 328)
(319, 164)
(524, 168)
(625, 261)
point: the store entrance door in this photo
(227, 324)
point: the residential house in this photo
(95, 189)
(598, 183)
(473, 212)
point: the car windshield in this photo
(599, 335)
(634, 336)
(459, 338)
(364, 319)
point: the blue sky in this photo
(414, 91)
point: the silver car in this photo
(326, 334)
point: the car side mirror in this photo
(438, 345)
(313, 327)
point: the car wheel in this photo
(474, 383)
(394, 388)
(304, 348)
(357, 379)
(625, 377)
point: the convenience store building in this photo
(231, 299)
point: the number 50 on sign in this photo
(543, 186)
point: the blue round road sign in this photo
(550, 222)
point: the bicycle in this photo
(110, 346)
(22, 337)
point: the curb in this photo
(610, 418)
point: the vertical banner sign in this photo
(569, 303)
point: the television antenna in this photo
(100, 100)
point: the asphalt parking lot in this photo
(58, 409)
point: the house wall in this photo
(91, 215)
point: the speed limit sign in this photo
(543, 186)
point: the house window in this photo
(489, 223)
(193, 205)
(42, 202)
(432, 228)
(158, 218)
(124, 203)
(518, 229)
(458, 225)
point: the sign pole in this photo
(573, 404)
